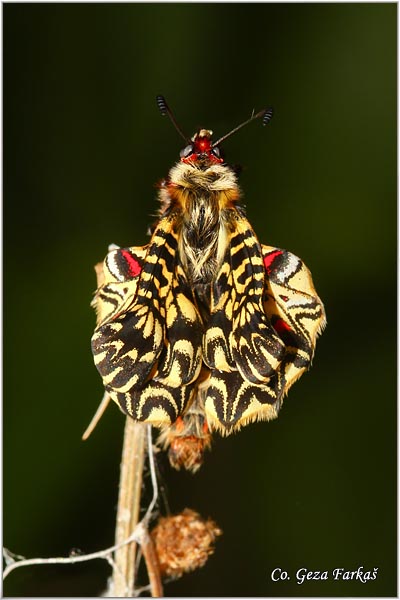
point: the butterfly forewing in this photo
(148, 349)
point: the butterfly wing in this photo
(260, 337)
(294, 309)
(147, 347)
(118, 282)
(240, 346)
(265, 317)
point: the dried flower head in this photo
(184, 542)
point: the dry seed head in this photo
(184, 542)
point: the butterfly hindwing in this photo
(294, 309)
(232, 401)
(118, 282)
(156, 403)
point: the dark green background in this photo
(84, 145)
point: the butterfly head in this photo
(201, 150)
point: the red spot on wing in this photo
(133, 265)
(269, 259)
(281, 326)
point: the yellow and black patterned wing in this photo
(294, 309)
(256, 348)
(265, 316)
(233, 402)
(241, 347)
(119, 275)
(239, 336)
(149, 352)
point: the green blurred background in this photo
(84, 145)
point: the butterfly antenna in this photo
(165, 110)
(266, 114)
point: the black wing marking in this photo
(276, 301)
(153, 350)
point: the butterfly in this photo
(204, 328)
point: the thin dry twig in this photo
(152, 564)
(15, 561)
(146, 542)
(153, 475)
(105, 401)
(130, 487)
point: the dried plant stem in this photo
(152, 564)
(130, 491)
(99, 413)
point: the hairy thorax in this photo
(206, 201)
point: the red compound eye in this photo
(187, 151)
